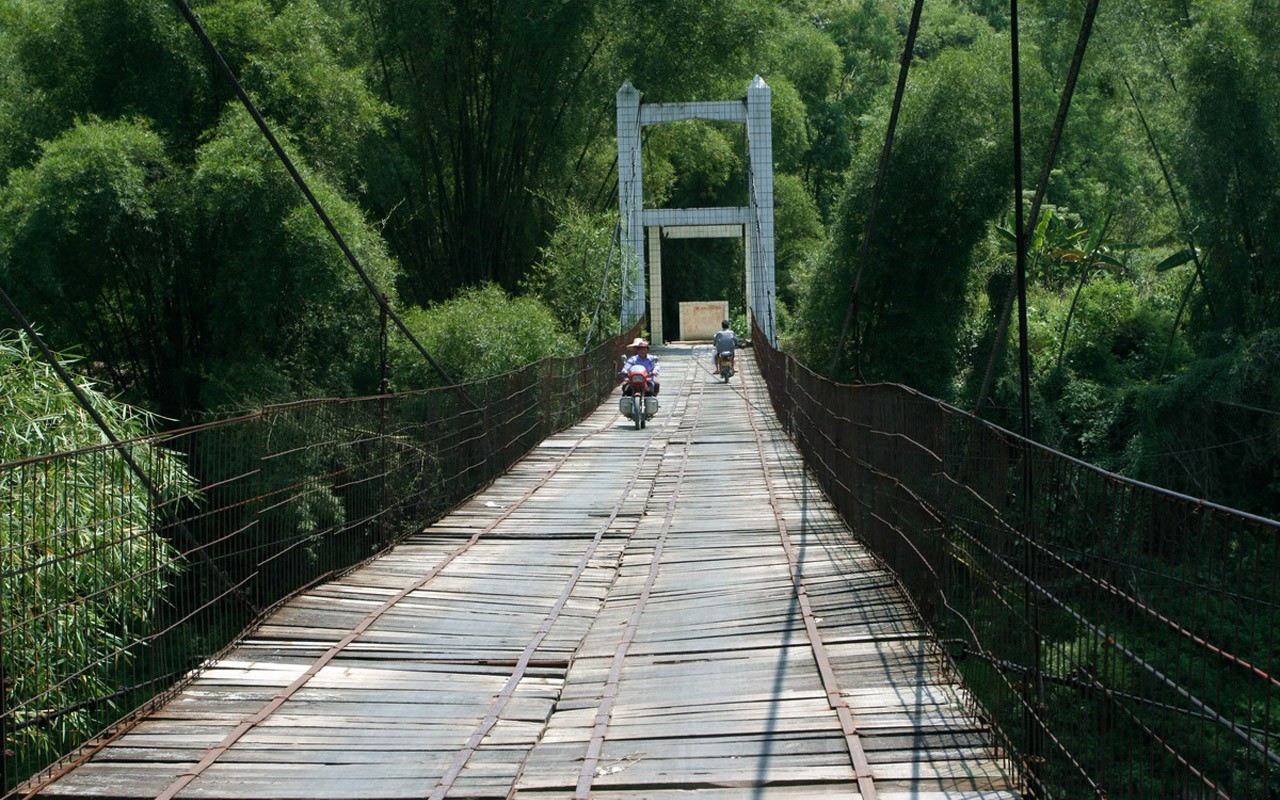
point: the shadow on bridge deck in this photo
(625, 614)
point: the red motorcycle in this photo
(636, 403)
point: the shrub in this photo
(480, 332)
(579, 273)
(83, 568)
(1212, 433)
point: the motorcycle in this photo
(724, 363)
(635, 404)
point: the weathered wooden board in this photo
(628, 597)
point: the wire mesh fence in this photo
(1121, 638)
(113, 594)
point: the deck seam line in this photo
(604, 711)
(214, 753)
(486, 725)
(831, 685)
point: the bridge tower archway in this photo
(644, 228)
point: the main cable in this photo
(305, 188)
(851, 313)
(1042, 186)
(604, 283)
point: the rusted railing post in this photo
(5, 752)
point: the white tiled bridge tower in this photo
(754, 223)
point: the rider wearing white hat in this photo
(641, 357)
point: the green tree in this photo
(487, 102)
(210, 288)
(86, 245)
(503, 114)
(799, 232)
(579, 274)
(301, 62)
(866, 43)
(1230, 164)
(948, 177)
(115, 59)
(1210, 432)
(286, 314)
(146, 222)
(481, 332)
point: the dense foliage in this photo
(466, 154)
(460, 146)
(578, 275)
(479, 333)
(87, 537)
(1150, 300)
(921, 253)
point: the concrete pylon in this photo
(762, 290)
(630, 204)
(753, 223)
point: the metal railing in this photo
(1121, 638)
(111, 599)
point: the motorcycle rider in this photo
(641, 358)
(725, 340)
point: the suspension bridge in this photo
(624, 613)
(836, 593)
(786, 588)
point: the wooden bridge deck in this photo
(627, 614)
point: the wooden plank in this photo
(718, 694)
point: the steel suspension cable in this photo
(301, 182)
(851, 314)
(604, 284)
(1187, 231)
(1033, 686)
(1047, 593)
(1042, 185)
(157, 498)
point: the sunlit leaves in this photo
(295, 62)
(1231, 166)
(82, 563)
(578, 274)
(84, 247)
(946, 180)
(479, 333)
(153, 228)
(280, 293)
(1176, 260)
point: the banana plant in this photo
(1059, 250)
(1055, 253)
(1094, 258)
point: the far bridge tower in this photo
(641, 226)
